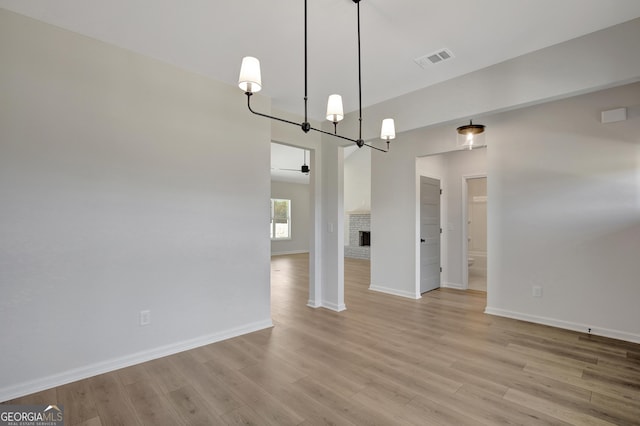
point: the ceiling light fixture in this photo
(471, 136)
(250, 82)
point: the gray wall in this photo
(299, 194)
(124, 186)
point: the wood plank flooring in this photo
(384, 361)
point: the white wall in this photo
(301, 225)
(357, 184)
(564, 214)
(357, 180)
(125, 185)
(607, 58)
(394, 221)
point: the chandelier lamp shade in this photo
(335, 113)
(388, 130)
(250, 82)
(471, 136)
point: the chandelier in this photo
(250, 82)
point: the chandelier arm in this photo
(357, 142)
(379, 149)
(268, 116)
(335, 135)
(294, 123)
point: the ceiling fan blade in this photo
(300, 170)
(290, 170)
(304, 169)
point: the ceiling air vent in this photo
(434, 58)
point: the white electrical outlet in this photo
(145, 317)
(536, 291)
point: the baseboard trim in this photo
(395, 292)
(567, 325)
(333, 306)
(284, 253)
(313, 304)
(27, 388)
(455, 286)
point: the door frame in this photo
(465, 226)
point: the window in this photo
(280, 219)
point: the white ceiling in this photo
(211, 37)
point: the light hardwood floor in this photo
(384, 361)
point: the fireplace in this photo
(364, 238)
(358, 245)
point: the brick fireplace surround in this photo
(358, 221)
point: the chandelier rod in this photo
(359, 74)
(306, 120)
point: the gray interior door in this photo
(429, 234)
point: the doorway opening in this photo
(475, 235)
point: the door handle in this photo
(422, 240)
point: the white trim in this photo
(313, 304)
(395, 292)
(283, 253)
(567, 325)
(27, 388)
(333, 307)
(456, 286)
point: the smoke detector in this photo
(436, 57)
